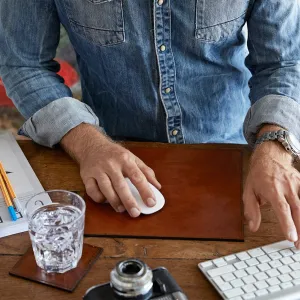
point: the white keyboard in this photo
(267, 273)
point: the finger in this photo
(108, 191)
(140, 181)
(294, 202)
(251, 209)
(148, 172)
(93, 190)
(122, 189)
(283, 212)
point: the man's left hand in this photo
(273, 178)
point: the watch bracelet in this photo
(271, 136)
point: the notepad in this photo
(23, 180)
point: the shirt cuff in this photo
(275, 110)
(49, 125)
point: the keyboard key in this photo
(252, 270)
(237, 283)
(295, 266)
(274, 288)
(264, 267)
(262, 292)
(295, 274)
(286, 252)
(249, 296)
(287, 260)
(273, 281)
(275, 255)
(234, 293)
(286, 285)
(255, 252)
(252, 262)
(243, 255)
(273, 273)
(240, 273)
(220, 262)
(296, 257)
(206, 264)
(261, 276)
(284, 269)
(228, 277)
(295, 250)
(285, 278)
(275, 264)
(230, 257)
(249, 279)
(261, 284)
(218, 280)
(249, 288)
(296, 282)
(237, 298)
(278, 246)
(220, 271)
(225, 286)
(264, 258)
(240, 265)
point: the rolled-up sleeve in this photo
(274, 61)
(29, 36)
(47, 126)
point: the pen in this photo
(10, 189)
(7, 199)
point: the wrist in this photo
(81, 139)
(273, 149)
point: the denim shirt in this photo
(163, 70)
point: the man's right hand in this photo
(104, 165)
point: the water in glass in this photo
(56, 232)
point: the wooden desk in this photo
(56, 170)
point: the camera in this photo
(132, 279)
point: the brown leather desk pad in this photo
(27, 268)
(203, 192)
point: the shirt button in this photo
(167, 90)
(162, 48)
(174, 132)
(160, 2)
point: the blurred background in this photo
(10, 118)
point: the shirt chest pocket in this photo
(218, 19)
(99, 21)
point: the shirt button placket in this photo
(167, 71)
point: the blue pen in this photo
(8, 202)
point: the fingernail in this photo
(293, 237)
(134, 212)
(121, 209)
(251, 225)
(151, 202)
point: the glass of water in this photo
(56, 224)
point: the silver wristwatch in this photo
(286, 138)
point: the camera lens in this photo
(130, 268)
(132, 279)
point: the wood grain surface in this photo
(56, 170)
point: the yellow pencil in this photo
(7, 199)
(10, 189)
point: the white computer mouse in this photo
(160, 200)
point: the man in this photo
(165, 70)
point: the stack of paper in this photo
(24, 182)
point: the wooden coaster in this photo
(27, 268)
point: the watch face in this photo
(293, 141)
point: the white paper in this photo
(23, 180)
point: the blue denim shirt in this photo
(165, 70)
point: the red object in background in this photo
(4, 100)
(66, 71)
